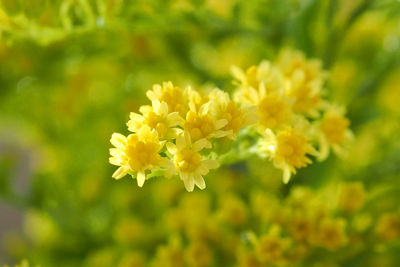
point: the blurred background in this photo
(72, 70)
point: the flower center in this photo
(334, 129)
(272, 111)
(156, 122)
(141, 154)
(292, 148)
(187, 160)
(199, 126)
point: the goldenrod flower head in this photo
(334, 132)
(352, 196)
(306, 97)
(287, 149)
(294, 64)
(172, 95)
(226, 109)
(200, 124)
(157, 117)
(331, 233)
(301, 226)
(388, 226)
(189, 163)
(198, 254)
(249, 83)
(137, 153)
(271, 247)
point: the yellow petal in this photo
(199, 181)
(118, 140)
(141, 177)
(121, 172)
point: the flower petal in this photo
(118, 140)
(189, 182)
(121, 172)
(199, 181)
(173, 119)
(141, 178)
(172, 148)
(200, 144)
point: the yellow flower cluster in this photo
(176, 134)
(304, 221)
(295, 122)
(188, 132)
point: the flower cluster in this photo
(295, 121)
(176, 134)
(189, 132)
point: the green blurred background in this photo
(71, 71)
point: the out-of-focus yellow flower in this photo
(156, 117)
(293, 63)
(301, 225)
(226, 109)
(330, 233)
(172, 95)
(352, 197)
(132, 259)
(271, 248)
(189, 163)
(388, 226)
(170, 255)
(248, 259)
(306, 78)
(232, 210)
(198, 254)
(137, 153)
(288, 150)
(334, 132)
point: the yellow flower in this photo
(301, 226)
(293, 63)
(352, 197)
(334, 132)
(189, 163)
(306, 78)
(198, 254)
(172, 95)
(156, 117)
(271, 247)
(331, 233)
(237, 117)
(269, 95)
(388, 226)
(137, 153)
(200, 124)
(250, 82)
(287, 149)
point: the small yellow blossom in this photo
(237, 117)
(331, 234)
(306, 79)
(388, 226)
(200, 124)
(270, 248)
(172, 95)
(137, 153)
(288, 150)
(301, 226)
(198, 254)
(294, 63)
(352, 197)
(189, 163)
(156, 117)
(335, 132)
